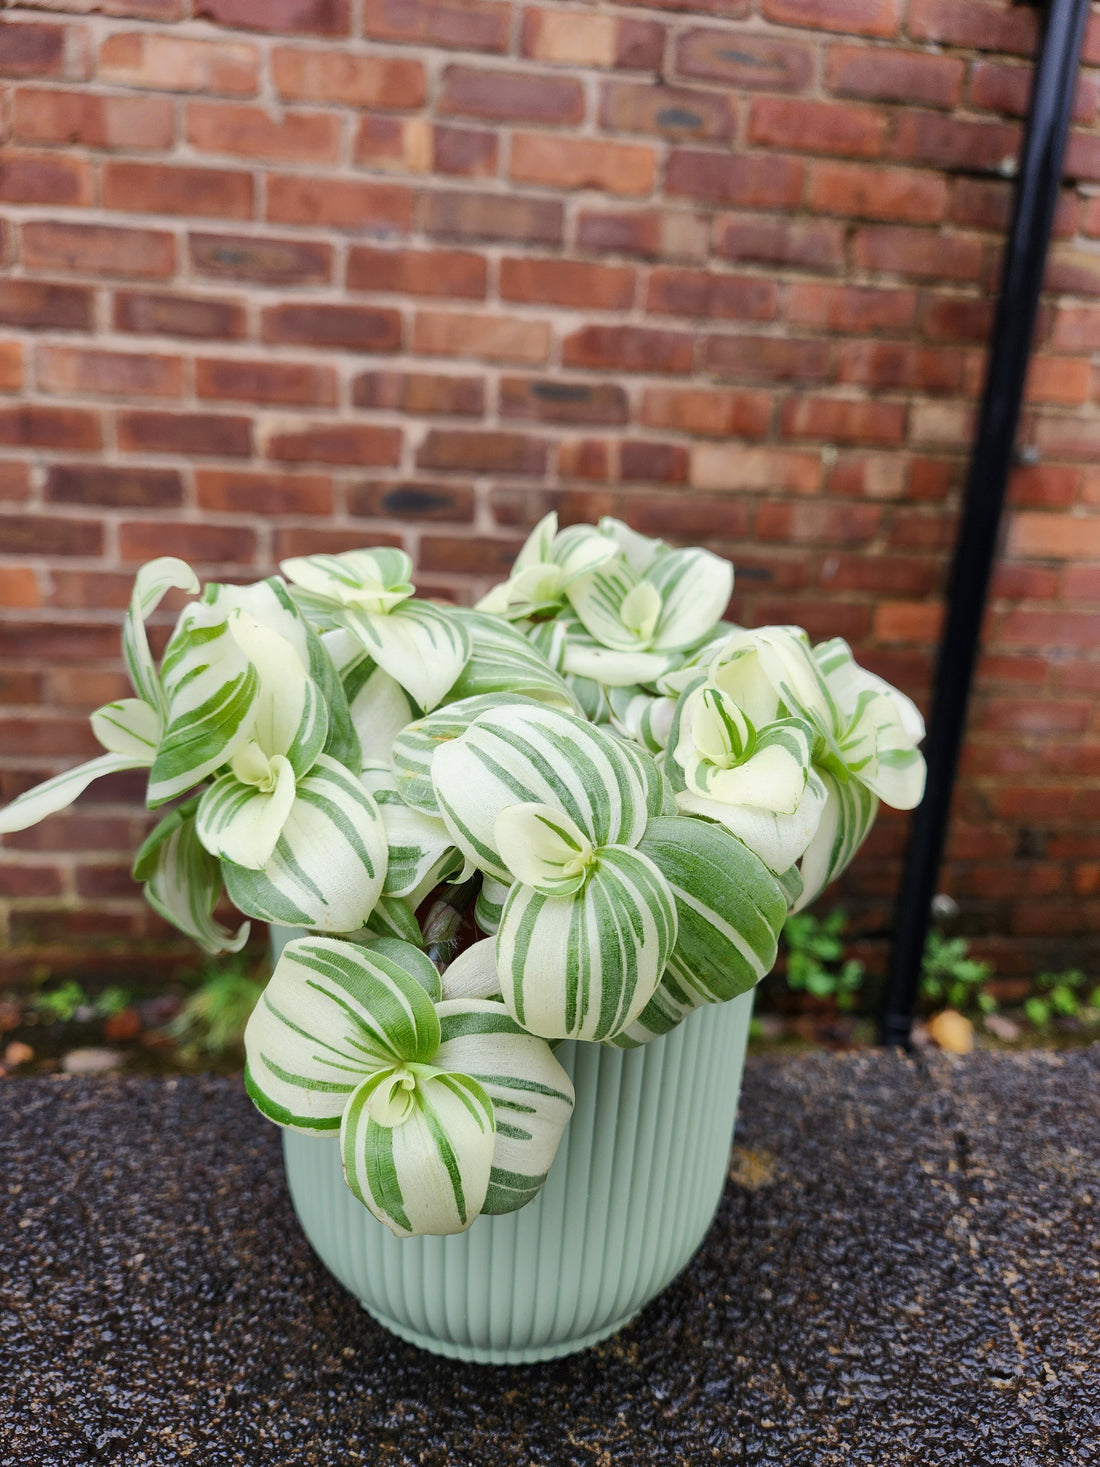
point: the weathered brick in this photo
(551, 400)
(294, 198)
(490, 338)
(701, 293)
(11, 366)
(78, 370)
(19, 587)
(814, 244)
(141, 540)
(883, 75)
(999, 86)
(629, 349)
(15, 482)
(1053, 536)
(380, 82)
(974, 23)
(907, 621)
(466, 152)
(586, 458)
(336, 443)
(493, 217)
(768, 358)
(1083, 156)
(260, 260)
(579, 163)
(412, 500)
(415, 145)
(853, 17)
(298, 540)
(957, 318)
(419, 392)
(810, 522)
(567, 283)
(744, 60)
(843, 420)
(38, 48)
(1059, 380)
(463, 555)
(510, 96)
(848, 308)
(206, 434)
(470, 25)
(855, 190)
(233, 491)
(767, 470)
(148, 313)
(309, 17)
(156, 188)
(348, 328)
(138, 124)
(483, 451)
(869, 476)
(114, 486)
(682, 113)
(898, 365)
(844, 128)
(1044, 486)
(656, 234)
(646, 462)
(708, 412)
(251, 132)
(29, 881)
(1073, 271)
(926, 254)
(98, 249)
(418, 272)
(177, 64)
(569, 38)
(37, 425)
(48, 534)
(286, 383)
(749, 180)
(953, 143)
(45, 178)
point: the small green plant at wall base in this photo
(59, 1005)
(213, 1018)
(1062, 995)
(815, 949)
(950, 978)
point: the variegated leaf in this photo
(504, 660)
(59, 792)
(393, 917)
(288, 716)
(242, 822)
(473, 974)
(183, 882)
(414, 747)
(490, 904)
(130, 727)
(849, 812)
(543, 848)
(422, 646)
(154, 580)
(694, 588)
(420, 845)
(374, 580)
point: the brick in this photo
(958, 318)
(853, 17)
(708, 412)
(381, 82)
(524, 507)
(891, 575)
(37, 48)
(28, 534)
(1059, 380)
(1083, 156)
(882, 75)
(898, 366)
(308, 17)
(579, 163)
(810, 522)
(150, 314)
(567, 283)
(11, 366)
(568, 38)
(557, 401)
(465, 556)
(116, 486)
(998, 86)
(923, 253)
(15, 482)
(251, 132)
(490, 338)
(412, 500)
(205, 434)
(649, 233)
(1023, 581)
(585, 458)
(814, 244)
(336, 443)
(44, 178)
(682, 113)
(414, 145)
(942, 424)
(199, 545)
(469, 25)
(260, 260)
(19, 587)
(1053, 536)
(165, 62)
(973, 23)
(700, 293)
(744, 60)
(847, 308)
(986, 203)
(869, 476)
(348, 328)
(907, 621)
(844, 128)
(138, 124)
(155, 188)
(744, 180)
(645, 462)
(339, 203)
(1074, 271)
(231, 491)
(843, 420)
(768, 358)
(629, 349)
(1081, 583)
(98, 249)
(733, 467)
(312, 541)
(510, 96)
(952, 143)
(1044, 486)
(483, 451)
(29, 881)
(285, 383)
(80, 371)
(36, 425)
(854, 190)
(493, 217)
(467, 152)
(418, 272)
(419, 392)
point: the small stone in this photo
(1001, 1028)
(17, 1053)
(123, 1026)
(90, 1061)
(952, 1031)
(11, 1015)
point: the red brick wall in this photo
(289, 275)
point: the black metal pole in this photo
(1040, 174)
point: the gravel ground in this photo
(905, 1269)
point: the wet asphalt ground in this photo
(905, 1269)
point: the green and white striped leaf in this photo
(503, 660)
(393, 917)
(288, 715)
(639, 551)
(329, 865)
(269, 602)
(373, 580)
(531, 1095)
(59, 792)
(473, 974)
(770, 673)
(414, 747)
(242, 822)
(641, 716)
(420, 845)
(342, 740)
(694, 588)
(130, 727)
(380, 709)
(543, 848)
(332, 1015)
(846, 819)
(490, 904)
(183, 882)
(153, 581)
(585, 966)
(879, 728)
(210, 686)
(417, 1150)
(415, 962)
(422, 646)
(536, 755)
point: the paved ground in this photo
(905, 1269)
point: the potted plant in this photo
(524, 865)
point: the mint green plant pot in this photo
(629, 1199)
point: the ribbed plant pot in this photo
(630, 1196)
